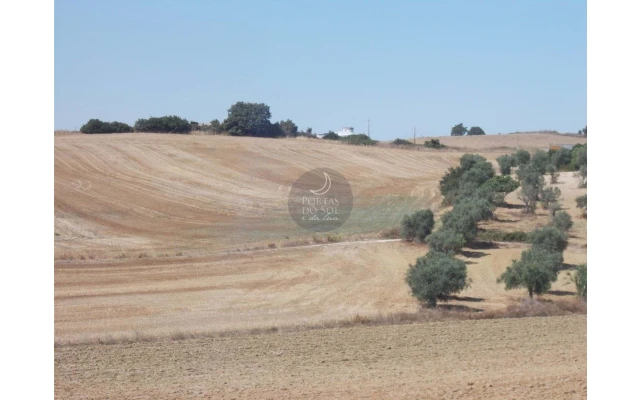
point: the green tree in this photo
(501, 186)
(506, 162)
(535, 271)
(97, 126)
(166, 124)
(446, 241)
(522, 157)
(562, 221)
(549, 195)
(417, 226)
(331, 135)
(553, 173)
(539, 161)
(250, 119)
(216, 126)
(580, 280)
(433, 144)
(549, 239)
(436, 276)
(458, 130)
(288, 128)
(581, 203)
(475, 130)
(531, 185)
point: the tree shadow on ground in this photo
(512, 206)
(473, 254)
(498, 219)
(467, 298)
(481, 245)
(561, 293)
(567, 267)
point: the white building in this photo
(346, 131)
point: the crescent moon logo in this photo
(325, 188)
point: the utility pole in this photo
(368, 126)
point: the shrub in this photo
(549, 239)
(97, 126)
(436, 276)
(549, 195)
(433, 144)
(331, 135)
(506, 162)
(417, 226)
(562, 221)
(166, 124)
(359, 139)
(521, 157)
(580, 280)
(475, 131)
(402, 142)
(251, 119)
(446, 241)
(536, 271)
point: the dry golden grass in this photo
(506, 143)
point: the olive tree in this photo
(580, 280)
(562, 221)
(506, 162)
(436, 276)
(549, 239)
(549, 195)
(535, 271)
(417, 226)
(446, 241)
(531, 184)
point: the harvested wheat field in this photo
(507, 143)
(159, 237)
(528, 358)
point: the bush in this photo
(522, 157)
(536, 271)
(562, 221)
(331, 135)
(446, 241)
(166, 124)
(433, 144)
(359, 139)
(251, 119)
(475, 131)
(506, 162)
(549, 195)
(580, 280)
(436, 276)
(97, 126)
(402, 142)
(549, 239)
(417, 226)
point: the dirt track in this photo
(530, 358)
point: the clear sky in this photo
(501, 65)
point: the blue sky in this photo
(501, 65)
